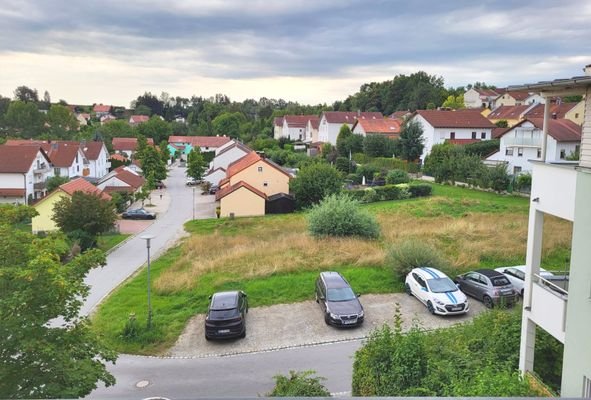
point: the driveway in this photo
(301, 324)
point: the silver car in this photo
(489, 286)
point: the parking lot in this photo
(300, 324)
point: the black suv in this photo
(338, 301)
(226, 315)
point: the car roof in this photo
(490, 273)
(224, 300)
(333, 279)
(522, 269)
(429, 273)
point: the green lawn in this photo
(107, 242)
(173, 308)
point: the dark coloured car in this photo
(214, 189)
(489, 286)
(339, 303)
(138, 213)
(159, 185)
(226, 316)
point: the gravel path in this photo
(301, 324)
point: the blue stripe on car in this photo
(453, 298)
(450, 297)
(433, 274)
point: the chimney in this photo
(587, 70)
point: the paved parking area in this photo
(300, 324)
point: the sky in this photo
(310, 51)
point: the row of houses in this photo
(493, 98)
(104, 113)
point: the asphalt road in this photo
(244, 375)
(167, 228)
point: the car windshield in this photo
(500, 281)
(442, 285)
(340, 294)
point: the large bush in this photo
(450, 163)
(340, 215)
(379, 146)
(397, 176)
(299, 384)
(410, 254)
(483, 148)
(314, 182)
(390, 192)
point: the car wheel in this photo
(407, 289)
(488, 303)
(207, 337)
(521, 293)
(430, 307)
(327, 319)
(243, 334)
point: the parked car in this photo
(192, 181)
(159, 185)
(516, 276)
(214, 189)
(489, 286)
(436, 291)
(226, 315)
(138, 213)
(341, 306)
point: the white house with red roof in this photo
(387, 127)
(228, 154)
(481, 98)
(138, 119)
(277, 127)
(311, 132)
(459, 126)
(332, 121)
(24, 171)
(66, 157)
(97, 159)
(522, 143)
(127, 146)
(101, 110)
(121, 179)
(205, 143)
(294, 126)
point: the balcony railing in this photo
(41, 168)
(521, 141)
(548, 303)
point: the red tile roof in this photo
(229, 189)
(200, 141)
(508, 112)
(455, 119)
(487, 92)
(130, 178)
(92, 149)
(82, 185)
(498, 132)
(111, 189)
(101, 108)
(7, 192)
(559, 109)
(315, 122)
(278, 121)
(519, 96)
(381, 126)
(62, 154)
(136, 119)
(118, 157)
(121, 144)
(349, 117)
(17, 159)
(298, 121)
(243, 163)
(562, 130)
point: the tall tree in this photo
(411, 141)
(228, 124)
(61, 120)
(454, 102)
(155, 128)
(150, 101)
(152, 164)
(195, 164)
(164, 152)
(24, 119)
(37, 358)
(26, 94)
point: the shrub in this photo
(379, 146)
(387, 163)
(368, 171)
(483, 148)
(344, 165)
(420, 189)
(523, 182)
(397, 176)
(299, 384)
(499, 177)
(314, 182)
(131, 329)
(402, 258)
(340, 215)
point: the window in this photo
(516, 170)
(539, 153)
(473, 135)
(576, 115)
(482, 135)
(509, 151)
(520, 152)
(562, 154)
(265, 184)
(260, 169)
(56, 171)
(452, 135)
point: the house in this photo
(228, 154)
(183, 145)
(241, 200)
(332, 121)
(277, 127)
(311, 131)
(214, 176)
(259, 172)
(138, 119)
(107, 118)
(121, 179)
(480, 98)
(294, 126)
(97, 157)
(24, 171)
(400, 115)
(517, 99)
(66, 158)
(560, 307)
(43, 222)
(522, 143)
(101, 110)
(127, 146)
(387, 127)
(558, 110)
(459, 126)
(512, 114)
(83, 118)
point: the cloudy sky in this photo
(311, 51)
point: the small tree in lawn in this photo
(195, 164)
(411, 140)
(83, 217)
(314, 182)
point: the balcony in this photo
(39, 186)
(521, 141)
(41, 168)
(553, 188)
(549, 302)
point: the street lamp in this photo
(193, 202)
(147, 238)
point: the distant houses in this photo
(182, 145)
(127, 145)
(332, 121)
(24, 171)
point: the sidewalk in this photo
(158, 202)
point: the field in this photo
(275, 260)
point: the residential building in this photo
(400, 115)
(101, 110)
(185, 144)
(214, 176)
(480, 98)
(97, 157)
(387, 127)
(228, 154)
(522, 144)
(512, 114)
(571, 111)
(43, 222)
(259, 172)
(121, 179)
(24, 171)
(460, 126)
(83, 118)
(107, 118)
(311, 131)
(516, 99)
(294, 126)
(241, 200)
(128, 146)
(277, 127)
(138, 119)
(332, 121)
(563, 190)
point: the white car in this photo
(516, 276)
(436, 291)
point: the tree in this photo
(143, 110)
(26, 94)
(348, 143)
(55, 181)
(37, 358)
(314, 182)
(24, 119)
(411, 140)
(164, 152)
(299, 384)
(378, 146)
(61, 120)
(155, 128)
(228, 124)
(454, 102)
(84, 216)
(502, 123)
(195, 164)
(149, 101)
(152, 164)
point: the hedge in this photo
(391, 192)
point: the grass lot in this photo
(275, 260)
(107, 242)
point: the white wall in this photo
(215, 177)
(359, 130)
(472, 99)
(112, 181)
(225, 159)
